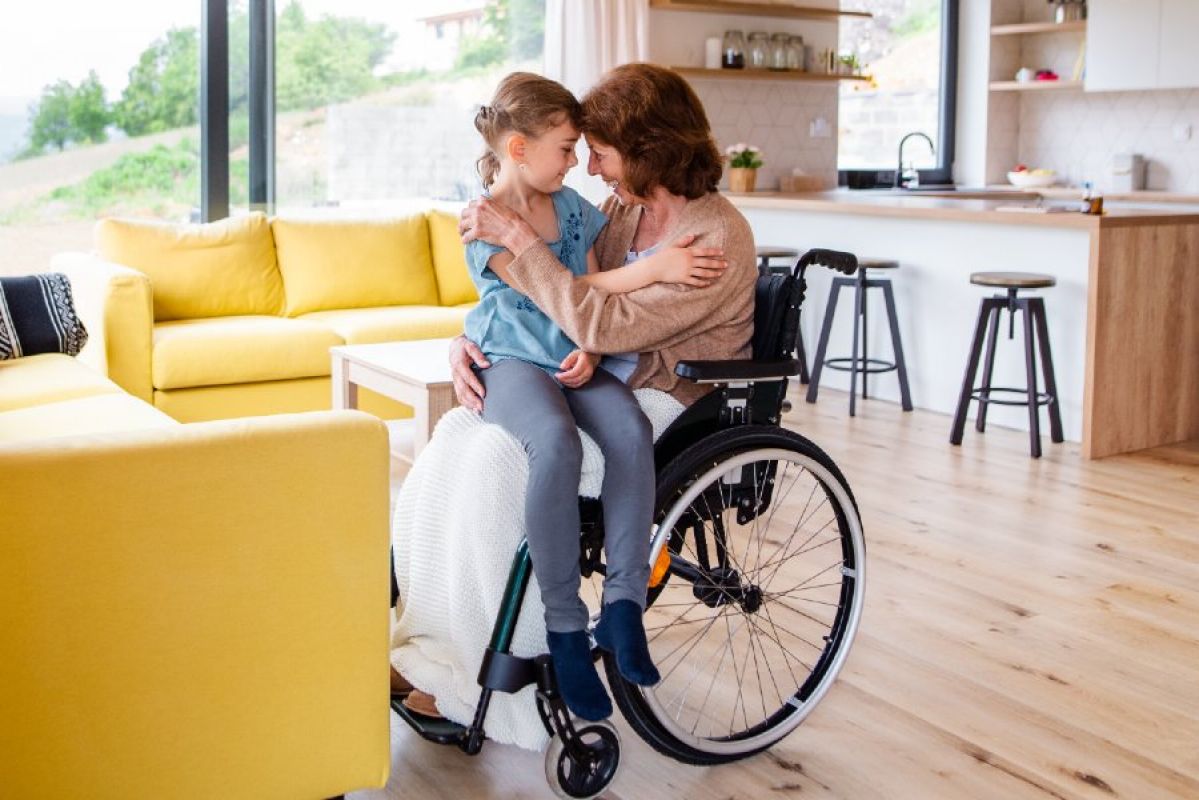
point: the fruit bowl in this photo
(1032, 178)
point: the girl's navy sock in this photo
(580, 684)
(621, 631)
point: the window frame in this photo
(946, 117)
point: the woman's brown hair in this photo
(524, 103)
(654, 119)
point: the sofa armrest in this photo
(196, 611)
(116, 304)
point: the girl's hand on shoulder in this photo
(689, 265)
(577, 368)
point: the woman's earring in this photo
(523, 167)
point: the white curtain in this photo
(583, 40)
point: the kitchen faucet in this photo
(900, 183)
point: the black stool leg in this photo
(1037, 306)
(863, 284)
(980, 421)
(901, 367)
(826, 329)
(976, 348)
(859, 299)
(802, 354)
(1030, 367)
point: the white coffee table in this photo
(416, 373)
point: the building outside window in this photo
(902, 48)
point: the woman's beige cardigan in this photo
(666, 323)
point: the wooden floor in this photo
(1031, 631)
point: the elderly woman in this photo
(651, 143)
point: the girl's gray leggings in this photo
(528, 403)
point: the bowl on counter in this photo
(1028, 179)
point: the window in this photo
(375, 102)
(98, 117)
(909, 47)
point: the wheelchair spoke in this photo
(803, 518)
(698, 637)
(802, 545)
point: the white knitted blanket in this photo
(458, 521)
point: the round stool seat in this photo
(777, 252)
(877, 263)
(1013, 280)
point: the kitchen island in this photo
(1123, 318)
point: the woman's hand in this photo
(492, 221)
(691, 266)
(577, 368)
(467, 386)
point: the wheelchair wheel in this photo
(574, 777)
(761, 602)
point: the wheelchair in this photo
(757, 578)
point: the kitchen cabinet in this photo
(1179, 61)
(1122, 44)
(1142, 44)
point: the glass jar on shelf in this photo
(779, 44)
(795, 55)
(758, 54)
(733, 55)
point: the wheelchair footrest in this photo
(504, 672)
(435, 729)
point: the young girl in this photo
(539, 386)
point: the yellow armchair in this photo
(196, 611)
(116, 305)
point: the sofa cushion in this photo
(454, 285)
(48, 378)
(101, 413)
(333, 265)
(215, 352)
(219, 269)
(37, 315)
(393, 323)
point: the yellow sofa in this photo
(236, 318)
(187, 611)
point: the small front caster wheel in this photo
(576, 775)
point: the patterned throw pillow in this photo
(37, 315)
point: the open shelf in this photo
(1034, 86)
(755, 9)
(764, 75)
(1075, 26)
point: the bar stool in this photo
(764, 254)
(988, 323)
(767, 252)
(864, 365)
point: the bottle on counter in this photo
(1092, 201)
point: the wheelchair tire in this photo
(744, 477)
(573, 779)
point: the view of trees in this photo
(67, 113)
(319, 62)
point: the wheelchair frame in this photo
(746, 392)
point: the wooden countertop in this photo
(1076, 193)
(915, 206)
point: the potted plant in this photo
(744, 160)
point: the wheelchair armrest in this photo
(738, 371)
(845, 263)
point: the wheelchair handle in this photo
(846, 263)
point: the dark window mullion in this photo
(214, 111)
(262, 105)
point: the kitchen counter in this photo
(916, 205)
(1123, 318)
